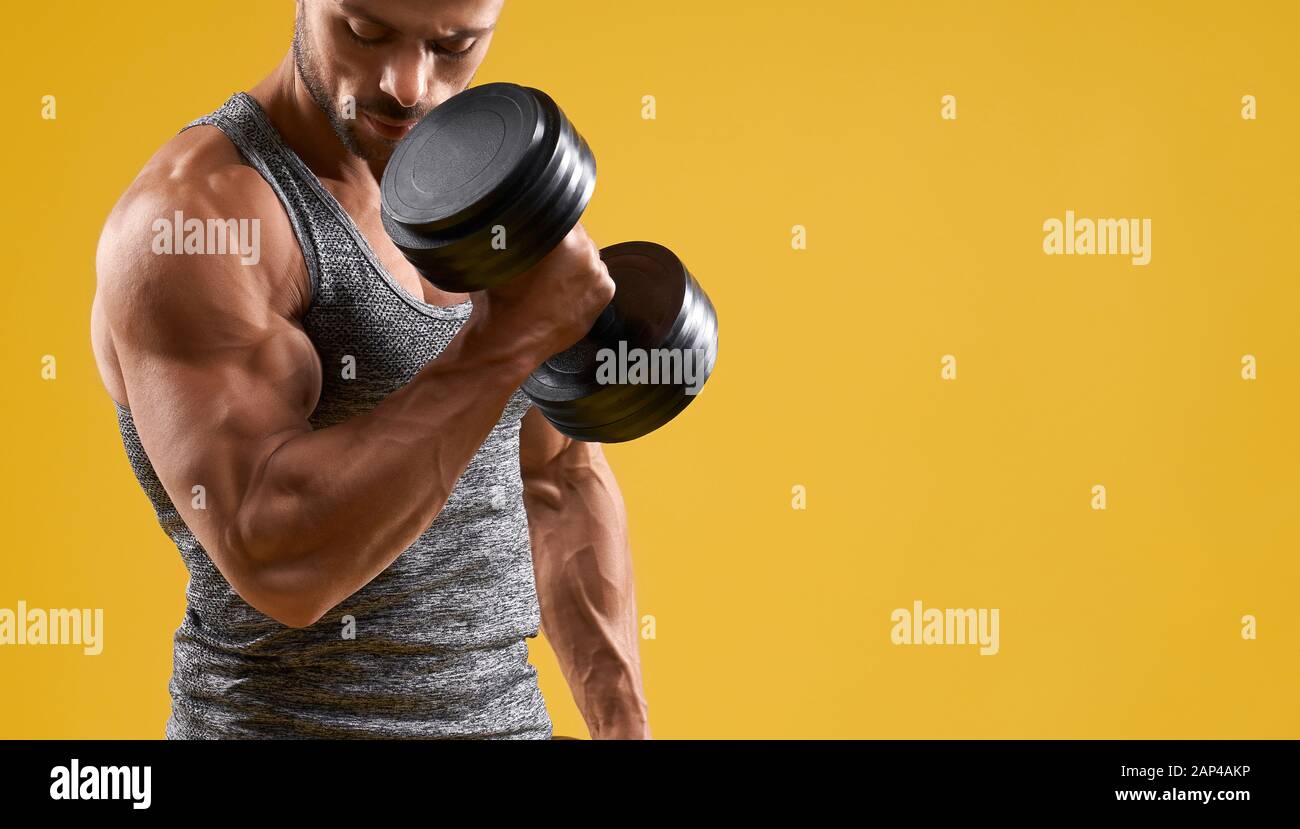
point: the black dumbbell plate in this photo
(657, 305)
(494, 157)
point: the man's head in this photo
(375, 67)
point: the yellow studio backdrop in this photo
(924, 243)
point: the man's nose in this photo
(404, 76)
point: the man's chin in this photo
(368, 148)
(379, 150)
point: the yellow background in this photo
(924, 239)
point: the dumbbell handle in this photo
(607, 326)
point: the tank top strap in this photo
(242, 120)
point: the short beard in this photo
(306, 66)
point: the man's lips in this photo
(392, 130)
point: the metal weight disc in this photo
(658, 309)
(485, 186)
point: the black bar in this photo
(920, 777)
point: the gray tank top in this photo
(435, 645)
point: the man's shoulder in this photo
(198, 168)
(188, 212)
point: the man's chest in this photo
(363, 209)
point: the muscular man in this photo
(372, 517)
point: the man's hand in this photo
(552, 305)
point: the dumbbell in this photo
(486, 185)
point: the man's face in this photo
(396, 59)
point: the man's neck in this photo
(307, 130)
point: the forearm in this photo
(587, 594)
(328, 510)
